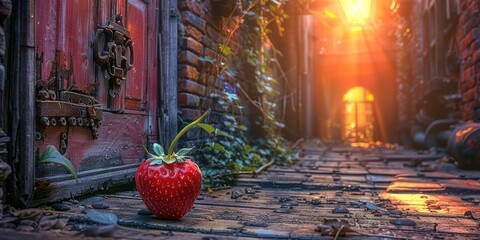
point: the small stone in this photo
(60, 207)
(255, 223)
(8, 225)
(100, 205)
(28, 222)
(284, 199)
(290, 203)
(256, 187)
(283, 210)
(200, 198)
(468, 214)
(395, 213)
(356, 204)
(25, 228)
(371, 206)
(250, 191)
(236, 194)
(144, 212)
(340, 210)
(403, 222)
(315, 202)
(91, 200)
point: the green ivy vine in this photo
(225, 157)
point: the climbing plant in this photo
(249, 84)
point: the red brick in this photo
(190, 114)
(189, 18)
(213, 33)
(208, 42)
(193, 45)
(470, 95)
(188, 57)
(187, 72)
(188, 100)
(191, 87)
(191, 5)
(194, 33)
(210, 53)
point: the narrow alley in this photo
(380, 192)
(239, 119)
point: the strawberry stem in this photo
(183, 131)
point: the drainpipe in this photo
(23, 101)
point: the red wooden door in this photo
(96, 87)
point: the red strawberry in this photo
(169, 190)
(170, 183)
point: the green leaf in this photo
(225, 50)
(102, 217)
(158, 149)
(221, 133)
(184, 151)
(247, 148)
(51, 154)
(208, 128)
(156, 162)
(219, 147)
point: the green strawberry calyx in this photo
(179, 157)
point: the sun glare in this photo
(357, 12)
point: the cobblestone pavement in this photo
(339, 191)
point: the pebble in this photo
(100, 205)
(284, 199)
(403, 222)
(340, 210)
(144, 212)
(92, 200)
(282, 210)
(290, 203)
(200, 198)
(256, 187)
(315, 202)
(236, 194)
(25, 228)
(28, 222)
(395, 213)
(60, 207)
(371, 206)
(255, 223)
(8, 225)
(250, 191)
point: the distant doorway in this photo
(358, 115)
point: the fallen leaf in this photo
(102, 217)
(30, 213)
(51, 222)
(334, 227)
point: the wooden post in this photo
(168, 44)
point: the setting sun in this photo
(357, 12)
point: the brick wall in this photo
(468, 41)
(200, 34)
